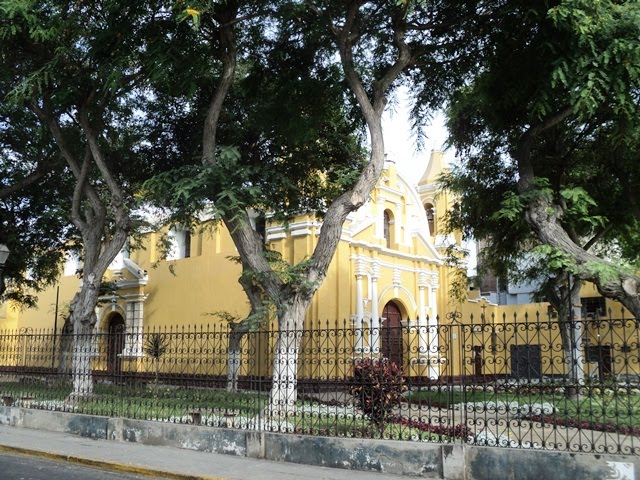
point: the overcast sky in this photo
(400, 144)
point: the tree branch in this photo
(30, 179)
(356, 196)
(596, 238)
(251, 250)
(54, 127)
(523, 153)
(402, 62)
(92, 140)
(228, 56)
(79, 188)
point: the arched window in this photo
(431, 218)
(387, 226)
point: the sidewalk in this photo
(164, 462)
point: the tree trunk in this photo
(101, 215)
(577, 340)
(65, 350)
(292, 298)
(618, 284)
(564, 294)
(571, 331)
(545, 219)
(81, 362)
(234, 357)
(284, 391)
(237, 331)
(83, 319)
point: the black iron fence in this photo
(530, 383)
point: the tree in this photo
(76, 71)
(378, 44)
(37, 235)
(552, 126)
(293, 140)
(545, 130)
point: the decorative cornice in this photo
(391, 190)
(296, 229)
(395, 253)
(380, 264)
(127, 298)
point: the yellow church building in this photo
(386, 292)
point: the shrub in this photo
(156, 345)
(377, 388)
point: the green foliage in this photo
(156, 345)
(551, 100)
(290, 144)
(57, 59)
(555, 259)
(606, 272)
(456, 260)
(606, 57)
(377, 389)
(250, 323)
(190, 189)
(580, 205)
(512, 207)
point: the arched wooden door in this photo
(115, 344)
(392, 333)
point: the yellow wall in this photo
(43, 315)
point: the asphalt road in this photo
(23, 467)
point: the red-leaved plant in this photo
(377, 388)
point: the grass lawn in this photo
(135, 402)
(618, 407)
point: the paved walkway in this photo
(164, 462)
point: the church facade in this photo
(386, 292)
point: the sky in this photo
(400, 144)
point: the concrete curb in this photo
(111, 466)
(425, 460)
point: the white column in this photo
(138, 328)
(423, 345)
(434, 341)
(433, 304)
(375, 314)
(359, 307)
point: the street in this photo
(24, 467)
